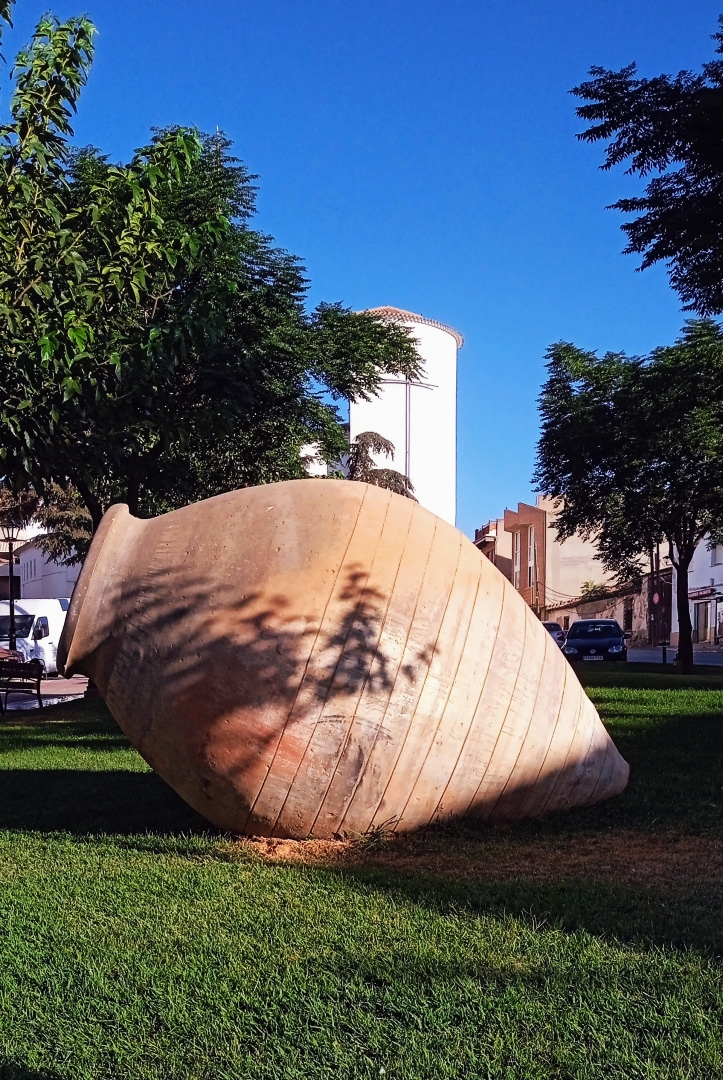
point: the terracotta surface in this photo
(320, 656)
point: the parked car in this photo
(556, 631)
(596, 639)
(38, 626)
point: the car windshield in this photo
(594, 629)
(23, 625)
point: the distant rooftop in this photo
(395, 314)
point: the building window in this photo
(530, 556)
(566, 622)
(628, 615)
(28, 570)
(716, 554)
(516, 559)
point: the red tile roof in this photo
(395, 314)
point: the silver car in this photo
(556, 631)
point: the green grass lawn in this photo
(136, 943)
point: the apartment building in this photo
(35, 576)
(545, 572)
(496, 545)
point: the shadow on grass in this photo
(688, 916)
(9, 1070)
(88, 802)
(63, 740)
(676, 778)
(675, 788)
(85, 725)
(91, 801)
(676, 785)
(649, 677)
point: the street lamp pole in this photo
(10, 534)
(12, 633)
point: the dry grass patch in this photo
(624, 857)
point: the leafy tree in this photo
(671, 126)
(593, 590)
(65, 523)
(632, 447)
(239, 404)
(78, 282)
(158, 348)
(361, 465)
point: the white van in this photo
(38, 626)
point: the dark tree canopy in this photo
(157, 349)
(362, 465)
(670, 126)
(255, 377)
(66, 524)
(632, 447)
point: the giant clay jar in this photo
(319, 656)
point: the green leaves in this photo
(70, 387)
(5, 9)
(634, 446)
(81, 271)
(362, 466)
(49, 75)
(155, 347)
(349, 351)
(633, 449)
(671, 126)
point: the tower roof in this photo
(395, 314)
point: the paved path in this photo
(655, 656)
(63, 687)
(52, 691)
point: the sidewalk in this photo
(52, 692)
(655, 656)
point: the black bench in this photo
(20, 677)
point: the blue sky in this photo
(419, 153)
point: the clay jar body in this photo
(320, 656)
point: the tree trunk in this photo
(132, 496)
(93, 504)
(685, 625)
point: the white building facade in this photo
(419, 417)
(705, 595)
(39, 577)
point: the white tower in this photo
(419, 417)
